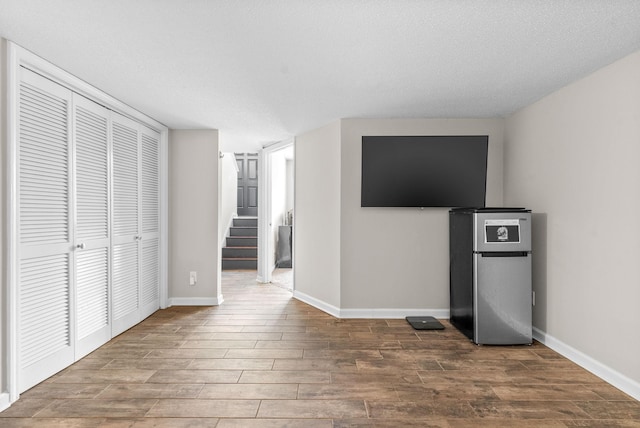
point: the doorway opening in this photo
(276, 215)
(240, 249)
(258, 227)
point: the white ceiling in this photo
(265, 70)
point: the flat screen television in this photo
(424, 171)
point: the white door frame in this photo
(265, 268)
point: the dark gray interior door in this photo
(247, 184)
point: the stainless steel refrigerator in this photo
(490, 274)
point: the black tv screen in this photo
(424, 171)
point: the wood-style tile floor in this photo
(263, 359)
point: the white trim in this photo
(391, 313)
(164, 219)
(264, 210)
(12, 257)
(603, 371)
(4, 401)
(196, 301)
(43, 67)
(369, 313)
(316, 303)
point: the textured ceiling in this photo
(265, 70)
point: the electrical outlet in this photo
(193, 277)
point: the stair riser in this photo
(243, 231)
(239, 264)
(239, 252)
(245, 222)
(242, 242)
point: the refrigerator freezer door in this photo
(504, 231)
(502, 299)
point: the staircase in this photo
(241, 251)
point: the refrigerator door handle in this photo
(504, 254)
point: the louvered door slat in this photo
(40, 117)
(150, 271)
(150, 183)
(93, 282)
(37, 147)
(44, 167)
(44, 307)
(92, 175)
(125, 279)
(125, 180)
(91, 144)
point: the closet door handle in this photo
(81, 246)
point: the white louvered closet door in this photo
(150, 222)
(92, 237)
(45, 235)
(126, 237)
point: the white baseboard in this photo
(370, 313)
(394, 313)
(316, 303)
(606, 373)
(5, 402)
(196, 301)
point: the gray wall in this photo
(379, 261)
(194, 175)
(398, 258)
(317, 216)
(573, 157)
